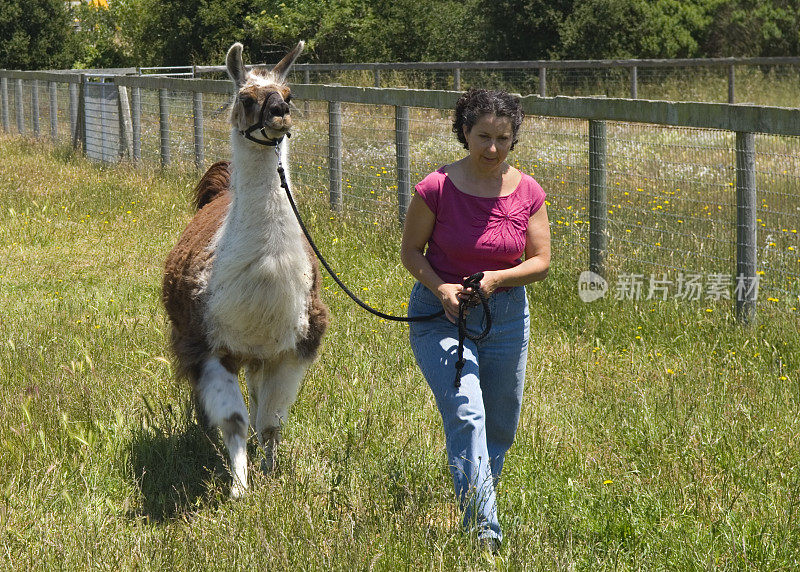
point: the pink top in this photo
(472, 234)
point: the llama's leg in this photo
(223, 404)
(273, 390)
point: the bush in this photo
(35, 34)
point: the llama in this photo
(241, 286)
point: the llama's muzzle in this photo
(274, 116)
(276, 106)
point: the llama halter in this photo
(471, 282)
(262, 128)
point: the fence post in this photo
(598, 202)
(4, 102)
(199, 135)
(377, 74)
(731, 84)
(335, 154)
(746, 229)
(634, 82)
(163, 123)
(457, 79)
(306, 80)
(79, 135)
(53, 90)
(543, 81)
(136, 122)
(125, 121)
(402, 149)
(19, 107)
(35, 106)
(73, 108)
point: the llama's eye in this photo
(247, 100)
(288, 98)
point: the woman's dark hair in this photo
(475, 103)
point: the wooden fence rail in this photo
(540, 67)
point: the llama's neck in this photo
(259, 210)
(261, 278)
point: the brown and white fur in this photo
(242, 287)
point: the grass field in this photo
(654, 434)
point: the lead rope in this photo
(474, 283)
(471, 282)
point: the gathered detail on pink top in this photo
(473, 234)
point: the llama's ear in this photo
(235, 65)
(281, 70)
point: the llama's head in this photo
(260, 110)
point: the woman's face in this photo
(490, 140)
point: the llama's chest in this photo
(258, 306)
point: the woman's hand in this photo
(488, 284)
(491, 282)
(450, 296)
(453, 295)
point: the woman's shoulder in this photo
(430, 188)
(528, 183)
(434, 179)
(433, 183)
(532, 191)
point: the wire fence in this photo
(694, 201)
(761, 81)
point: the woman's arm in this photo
(537, 258)
(416, 233)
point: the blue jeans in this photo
(480, 418)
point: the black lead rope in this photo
(471, 282)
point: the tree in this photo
(334, 30)
(35, 34)
(520, 29)
(42, 33)
(369, 30)
(603, 29)
(99, 40)
(753, 28)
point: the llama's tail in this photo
(215, 182)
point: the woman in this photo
(478, 214)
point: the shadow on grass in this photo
(177, 466)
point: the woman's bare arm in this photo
(416, 233)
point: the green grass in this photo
(654, 434)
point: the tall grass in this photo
(654, 434)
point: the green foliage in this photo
(155, 32)
(427, 30)
(35, 34)
(345, 30)
(754, 28)
(601, 29)
(185, 32)
(42, 34)
(99, 37)
(520, 29)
